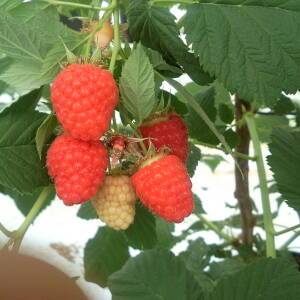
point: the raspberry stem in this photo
(116, 36)
(267, 213)
(6, 231)
(80, 5)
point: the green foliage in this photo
(267, 279)
(141, 272)
(251, 46)
(20, 166)
(87, 211)
(104, 254)
(142, 233)
(193, 159)
(155, 27)
(137, 85)
(285, 163)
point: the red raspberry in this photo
(169, 130)
(77, 168)
(163, 185)
(84, 98)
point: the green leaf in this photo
(179, 106)
(193, 159)
(137, 85)
(20, 166)
(266, 123)
(285, 163)
(264, 279)
(156, 28)
(164, 230)
(226, 267)
(231, 137)
(154, 275)
(44, 132)
(87, 211)
(7, 5)
(24, 202)
(212, 160)
(104, 254)
(226, 113)
(284, 105)
(197, 127)
(141, 234)
(251, 46)
(198, 205)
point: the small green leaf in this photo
(137, 85)
(284, 105)
(104, 254)
(193, 159)
(156, 275)
(231, 137)
(263, 279)
(24, 202)
(212, 160)
(226, 113)
(198, 205)
(20, 166)
(285, 164)
(44, 132)
(87, 211)
(179, 106)
(141, 234)
(197, 127)
(164, 230)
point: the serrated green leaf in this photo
(155, 274)
(44, 132)
(212, 160)
(104, 254)
(137, 85)
(20, 166)
(251, 46)
(141, 234)
(156, 28)
(284, 105)
(266, 123)
(179, 106)
(264, 279)
(197, 127)
(226, 267)
(7, 5)
(87, 211)
(198, 205)
(231, 137)
(285, 163)
(193, 159)
(164, 230)
(24, 202)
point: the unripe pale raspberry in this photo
(77, 168)
(115, 202)
(84, 98)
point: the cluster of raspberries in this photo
(84, 98)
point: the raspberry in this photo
(84, 98)
(164, 186)
(115, 202)
(169, 130)
(77, 168)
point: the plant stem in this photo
(6, 231)
(267, 214)
(234, 153)
(30, 217)
(173, 1)
(104, 18)
(287, 230)
(117, 43)
(80, 5)
(215, 228)
(289, 241)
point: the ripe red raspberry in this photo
(115, 202)
(163, 185)
(84, 98)
(168, 130)
(77, 168)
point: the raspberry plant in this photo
(243, 62)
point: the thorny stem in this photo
(242, 193)
(20, 233)
(117, 44)
(80, 5)
(267, 214)
(215, 228)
